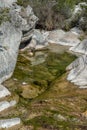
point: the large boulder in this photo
(12, 32)
(10, 39)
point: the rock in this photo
(7, 123)
(23, 18)
(39, 39)
(22, 21)
(6, 3)
(69, 39)
(81, 47)
(40, 36)
(9, 44)
(59, 117)
(4, 92)
(77, 31)
(39, 58)
(83, 23)
(5, 104)
(63, 38)
(30, 91)
(77, 15)
(55, 35)
(78, 72)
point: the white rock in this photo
(55, 35)
(76, 31)
(81, 47)
(4, 91)
(69, 39)
(6, 3)
(78, 71)
(40, 36)
(7, 123)
(5, 104)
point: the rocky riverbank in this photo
(37, 96)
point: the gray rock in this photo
(6, 3)
(4, 92)
(81, 47)
(5, 105)
(39, 39)
(76, 16)
(23, 18)
(55, 35)
(9, 44)
(7, 123)
(78, 72)
(77, 31)
(22, 22)
(69, 39)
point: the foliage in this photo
(51, 13)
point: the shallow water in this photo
(46, 100)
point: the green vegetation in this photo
(52, 14)
(4, 15)
(44, 73)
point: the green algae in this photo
(56, 95)
(42, 74)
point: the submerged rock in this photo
(30, 91)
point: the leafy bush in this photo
(51, 13)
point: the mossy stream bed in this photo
(45, 99)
